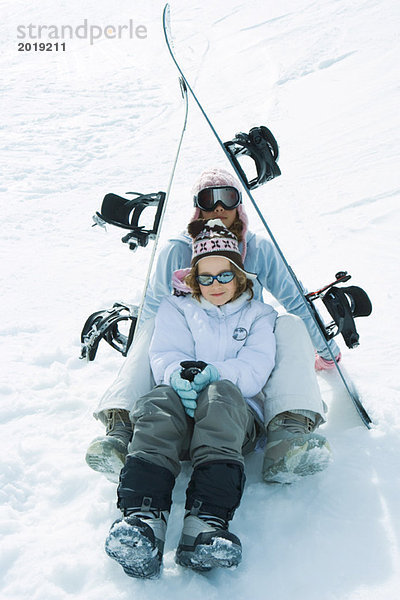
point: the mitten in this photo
(186, 393)
(322, 364)
(189, 406)
(208, 375)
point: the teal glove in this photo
(186, 393)
(208, 375)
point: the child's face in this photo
(216, 293)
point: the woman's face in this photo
(216, 293)
(219, 212)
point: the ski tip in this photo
(166, 13)
(167, 24)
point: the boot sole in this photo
(133, 550)
(301, 460)
(204, 557)
(104, 458)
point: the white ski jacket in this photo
(237, 338)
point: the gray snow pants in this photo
(222, 429)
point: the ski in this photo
(352, 392)
(125, 213)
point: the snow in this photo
(105, 117)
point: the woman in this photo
(211, 354)
(294, 408)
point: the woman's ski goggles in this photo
(208, 198)
(224, 277)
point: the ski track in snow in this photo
(104, 117)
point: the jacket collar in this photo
(226, 309)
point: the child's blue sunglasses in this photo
(224, 277)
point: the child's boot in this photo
(136, 542)
(206, 543)
(213, 494)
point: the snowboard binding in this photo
(125, 213)
(262, 147)
(104, 325)
(344, 304)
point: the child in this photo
(211, 354)
(294, 409)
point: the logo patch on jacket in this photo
(240, 334)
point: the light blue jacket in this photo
(261, 258)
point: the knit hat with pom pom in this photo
(212, 238)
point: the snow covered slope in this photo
(104, 116)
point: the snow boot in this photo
(136, 542)
(207, 543)
(213, 494)
(106, 454)
(293, 450)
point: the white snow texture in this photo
(105, 117)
